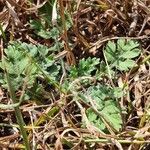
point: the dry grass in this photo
(57, 124)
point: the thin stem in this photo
(18, 114)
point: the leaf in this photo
(24, 63)
(130, 45)
(44, 34)
(56, 47)
(131, 54)
(95, 120)
(92, 116)
(115, 120)
(120, 55)
(121, 43)
(117, 92)
(111, 46)
(36, 24)
(110, 51)
(124, 45)
(104, 99)
(84, 68)
(110, 107)
(126, 65)
(41, 30)
(54, 33)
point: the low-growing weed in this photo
(24, 60)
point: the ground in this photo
(75, 74)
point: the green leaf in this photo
(44, 34)
(36, 24)
(95, 120)
(126, 65)
(131, 54)
(104, 99)
(91, 115)
(117, 92)
(120, 55)
(41, 30)
(112, 46)
(130, 45)
(121, 43)
(84, 68)
(110, 51)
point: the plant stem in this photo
(18, 113)
(22, 129)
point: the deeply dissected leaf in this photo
(128, 45)
(111, 52)
(84, 68)
(121, 54)
(104, 99)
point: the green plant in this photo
(21, 66)
(16, 108)
(26, 63)
(120, 55)
(85, 67)
(24, 60)
(50, 31)
(104, 100)
(39, 27)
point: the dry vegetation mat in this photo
(75, 74)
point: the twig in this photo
(135, 17)
(70, 56)
(120, 141)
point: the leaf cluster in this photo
(23, 61)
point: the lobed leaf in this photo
(120, 55)
(104, 99)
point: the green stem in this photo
(18, 113)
